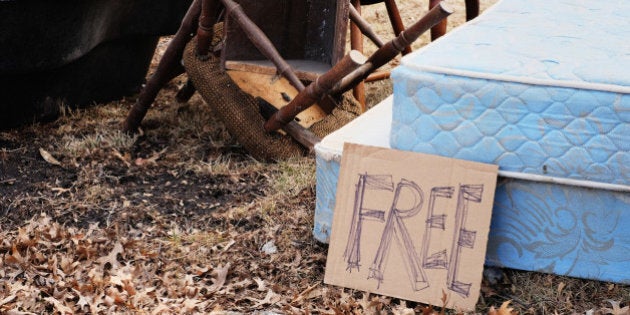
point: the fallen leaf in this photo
(152, 160)
(444, 299)
(616, 309)
(561, 287)
(221, 273)
(190, 305)
(270, 298)
(48, 157)
(503, 310)
(60, 190)
(161, 309)
(124, 158)
(25, 238)
(261, 284)
(228, 245)
(15, 258)
(112, 257)
(428, 310)
(116, 280)
(8, 299)
(305, 293)
(83, 301)
(59, 306)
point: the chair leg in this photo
(356, 43)
(472, 9)
(396, 20)
(168, 68)
(185, 92)
(210, 10)
(439, 29)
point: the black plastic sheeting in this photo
(76, 52)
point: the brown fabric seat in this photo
(240, 114)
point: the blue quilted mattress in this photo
(541, 88)
(537, 86)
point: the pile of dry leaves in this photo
(49, 268)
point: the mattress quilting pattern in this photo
(539, 87)
(554, 131)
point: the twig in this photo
(9, 181)
(5, 150)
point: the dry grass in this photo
(181, 220)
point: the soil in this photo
(180, 219)
(30, 185)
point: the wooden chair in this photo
(249, 49)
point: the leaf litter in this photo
(46, 260)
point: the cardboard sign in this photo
(411, 225)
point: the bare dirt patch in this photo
(180, 219)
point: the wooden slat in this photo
(270, 88)
(305, 69)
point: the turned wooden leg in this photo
(205, 32)
(396, 20)
(356, 43)
(168, 68)
(472, 9)
(439, 29)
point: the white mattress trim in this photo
(565, 181)
(328, 155)
(379, 120)
(526, 80)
